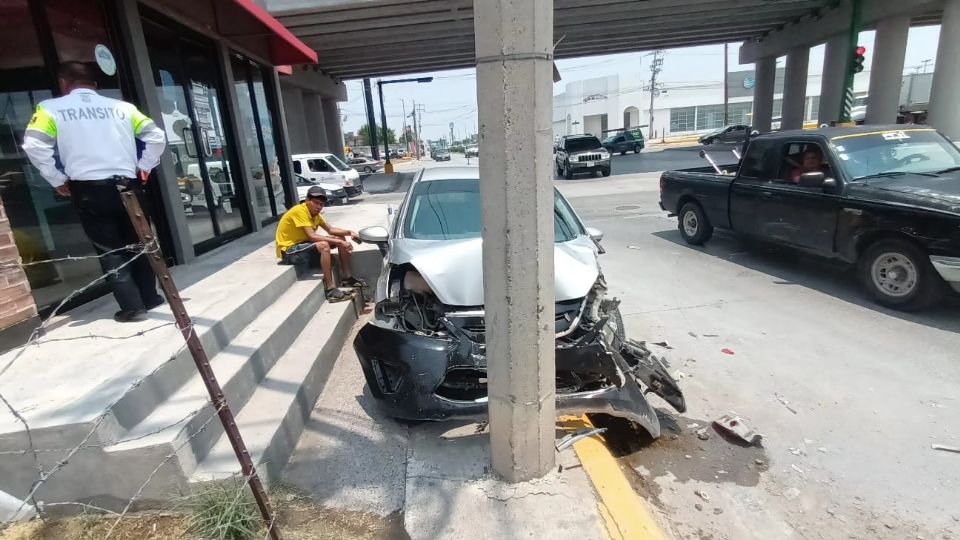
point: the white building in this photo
(605, 104)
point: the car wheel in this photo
(898, 274)
(694, 226)
(369, 169)
(605, 172)
(636, 149)
(623, 152)
(567, 171)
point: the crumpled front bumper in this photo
(411, 374)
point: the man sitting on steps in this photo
(298, 242)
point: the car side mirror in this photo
(813, 179)
(374, 235)
(754, 132)
(829, 185)
(595, 234)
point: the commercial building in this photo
(216, 75)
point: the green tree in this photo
(364, 132)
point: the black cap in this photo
(317, 192)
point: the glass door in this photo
(187, 81)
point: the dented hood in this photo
(454, 268)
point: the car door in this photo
(802, 216)
(756, 172)
(323, 171)
(734, 134)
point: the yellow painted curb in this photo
(625, 515)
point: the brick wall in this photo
(16, 302)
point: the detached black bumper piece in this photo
(419, 377)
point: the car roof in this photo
(584, 136)
(831, 132)
(313, 155)
(450, 173)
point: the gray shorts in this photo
(303, 253)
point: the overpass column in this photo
(835, 56)
(886, 70)
(794, 88)
(765, 77)
(945, 93)
(331, 120)
(313, 115)
(514, 48)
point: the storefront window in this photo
(78, 29)
(269, 141)
(45, 225)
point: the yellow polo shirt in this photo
(290, 229)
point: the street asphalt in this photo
(849, 396)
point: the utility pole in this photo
(371, 119)
(416, 131)
(388, 167)
(726, 88)
(406, 140)
(655, 69)
(925, 62)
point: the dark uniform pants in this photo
(106, 223)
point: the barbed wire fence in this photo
(216, 404)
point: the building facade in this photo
(207, 72)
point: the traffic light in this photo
(857, 65)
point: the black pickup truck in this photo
(883, 198)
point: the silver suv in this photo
(581, 154)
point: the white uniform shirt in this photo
(94, 135)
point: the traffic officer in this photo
(95, 137)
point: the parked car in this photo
(623, 142)
(328, 169)
(335, 194)
(734, 134)
(423, 352)
(883, 198)
(441, 154)
(581, 154)
(472, 151)
(364, 164)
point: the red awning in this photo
(284, 47)
(248, 25)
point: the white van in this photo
(328, 169)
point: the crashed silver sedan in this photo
(423, 352)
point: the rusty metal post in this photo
(170, 292)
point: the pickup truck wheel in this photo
(567, 171)
(623, 152)
(636, 149)
(898, 274)
(694, 226)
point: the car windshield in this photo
(895, 151)
(336, 162)
(609, 139)
(450, 210)
(582, 144)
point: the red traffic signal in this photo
(857, 65)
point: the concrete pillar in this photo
(886, 70)
(514, 47)
(794, 88)
(282, 139)
(836, 53)
(315, 122)
(945, 93)
(331, 117)
(765, 78)
(293, 112)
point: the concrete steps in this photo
(239, 367)
(273, 418)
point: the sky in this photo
(451, 97)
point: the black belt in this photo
(112, 181)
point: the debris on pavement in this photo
(663, 344)
(691, 334)
(727, 351)
(735, 425)
(798, 469)
(693, 425)
(711, 335)
(785, 403)
(702, 494)
(945, 448)
(702, 434)
(717, 511)
(570, 438)
(699, 507)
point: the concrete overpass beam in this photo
(886, 71)
(314, 118)
(795, 88)
(945, 93)
(835, 56)
(514, 47)
(765, 76)
(331, 124)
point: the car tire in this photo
(898, 274)
(567, 171)
(369, 169)
(605, 172)
(695, 227)
(636, 149)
